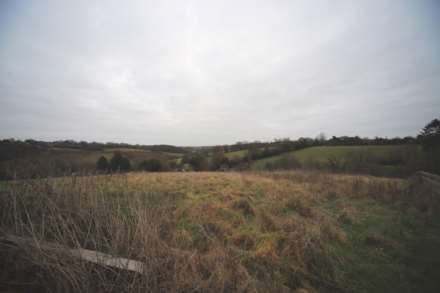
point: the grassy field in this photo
(237, 154)
(386, 159)
(89, 158)
(223, 232)
(59, 160)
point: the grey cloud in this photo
(210, 72)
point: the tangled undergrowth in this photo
(219, 232)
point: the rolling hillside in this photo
(225, 232)
(236, 154)
(387, 159)
(56, 161)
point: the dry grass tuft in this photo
(301, 205)
(195, 232)
(266, 222)
(245, 241)
(106, 217)
(379, 241)
(348, 214)
(244, 206)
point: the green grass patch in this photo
(388, 160)
(387, 249)
(237, 154)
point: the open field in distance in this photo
(236, 154)
(55, 161)
(384, 160)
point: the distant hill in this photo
(24, 159)
(387, 160)
(376, 156)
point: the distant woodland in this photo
(401, 156)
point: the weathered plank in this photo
(434, 183)
(431, 179)
(84, 254)
(109, 260)
(429, 175)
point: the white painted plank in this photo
(84, 254)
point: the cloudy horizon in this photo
(217, 72)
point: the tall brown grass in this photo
(97, 214)
(255, 249)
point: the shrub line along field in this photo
(27, 160)
(225, 231)
(236, 154)
(57, 161)
(385, 160)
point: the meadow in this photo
(287, 231)
(382, 160)
(55, 161)
(236, 154)
(87, 159)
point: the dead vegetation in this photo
(195, 232)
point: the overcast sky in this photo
(216, 72)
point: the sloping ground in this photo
(59, 161)
(236, 154)
(214, 232)
(87, 159)
(384, 159)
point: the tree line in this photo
(120, 163)
(13, 152)
(91, 146)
